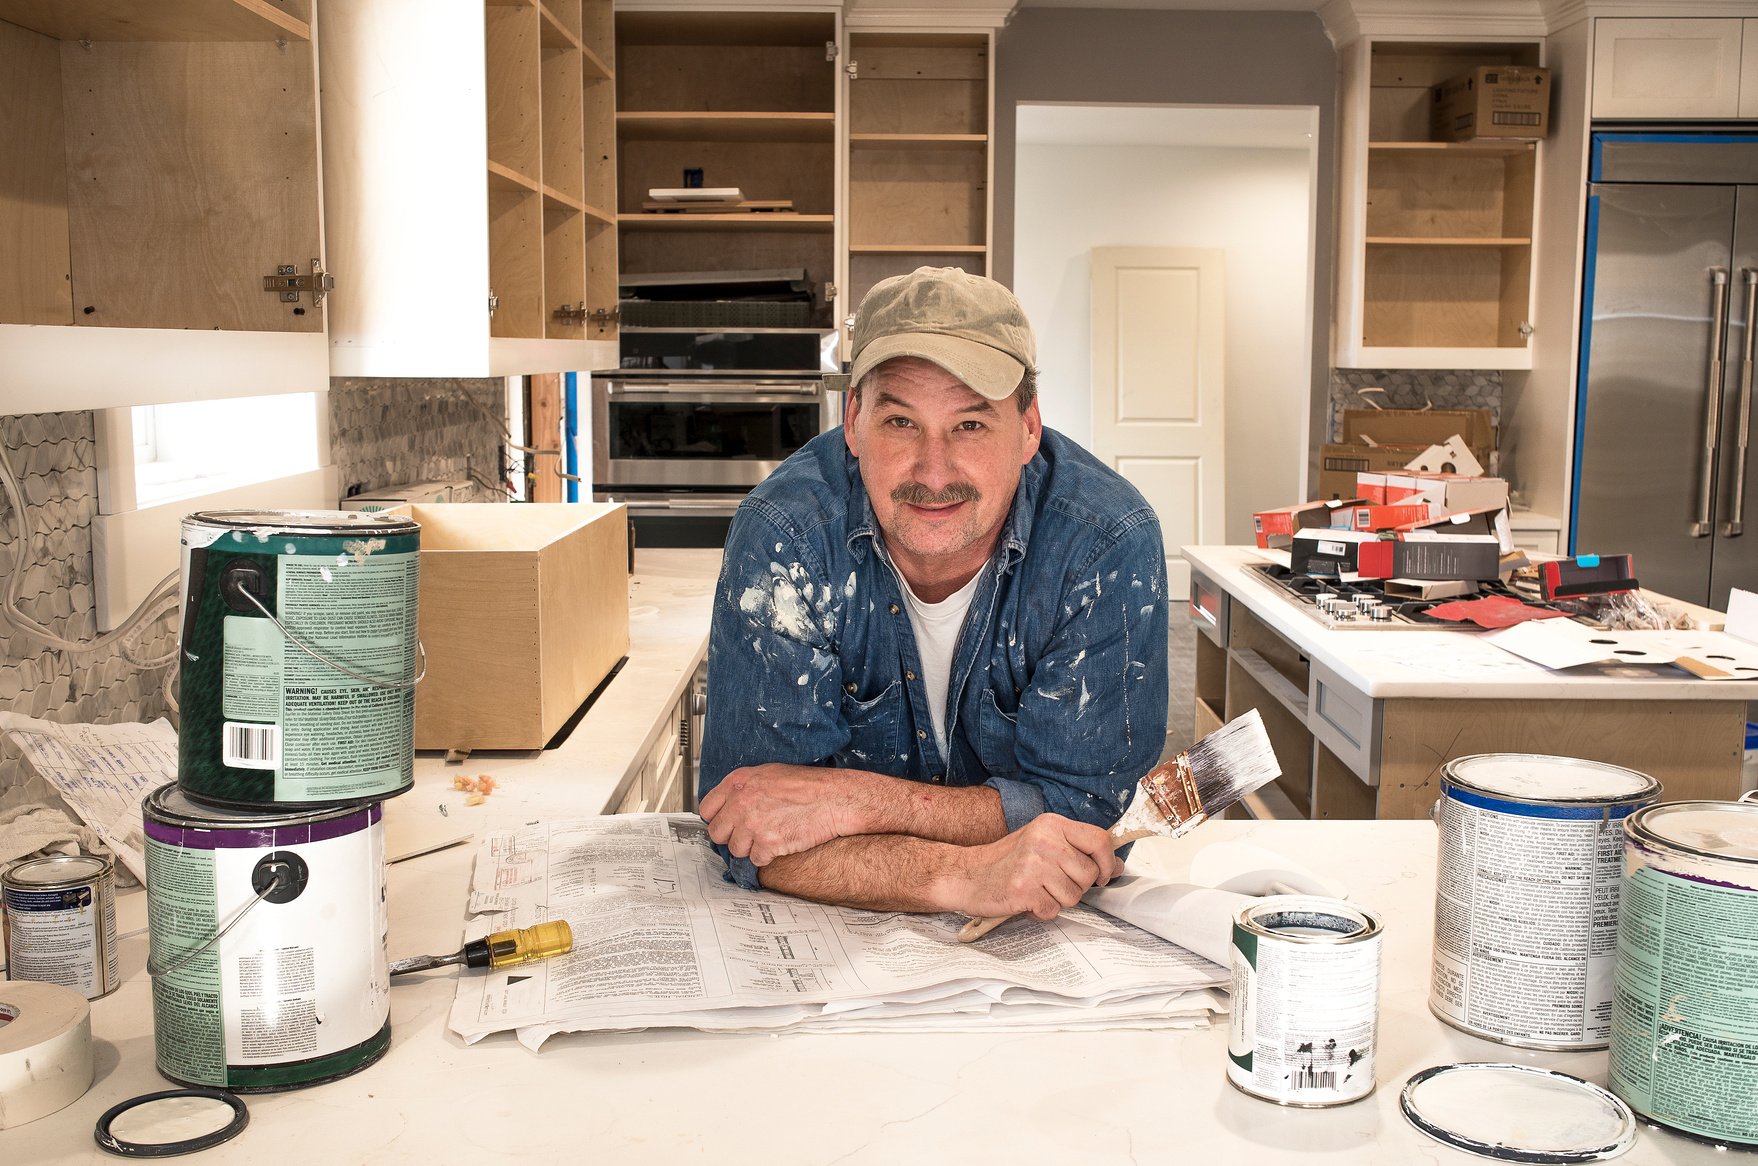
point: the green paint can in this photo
(299, 657)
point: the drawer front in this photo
(1346, 721)
(1208, 607)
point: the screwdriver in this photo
(501, 949)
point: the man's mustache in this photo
(916, 494)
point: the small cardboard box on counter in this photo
(1275, 528)
(1491, 101)
(1489, 520)
(1454, 492)
(1328, 553)
(1422, 555)
(524, 609)
(1384, 441)
(1390, 516)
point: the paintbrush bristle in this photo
(1179, 795)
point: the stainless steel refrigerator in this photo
(1664, 393)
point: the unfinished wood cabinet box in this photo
(159, 160)
(919, 160)
(1437, 241)
(524, 611)
(469, 179)
(750, 100)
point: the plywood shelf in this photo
(920, 141)
(770, 221)
(917, 249)
(1439, 241)
(162, 20)
(708, 126)
(595, 66)
(1482, 147)
(506, 178)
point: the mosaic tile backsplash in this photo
(396, 432)
(1412, 389)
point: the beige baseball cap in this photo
(970, 326)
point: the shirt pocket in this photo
(873, 731)
(997, 737)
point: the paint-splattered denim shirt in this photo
(1058, 689)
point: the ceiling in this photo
(1164, 125)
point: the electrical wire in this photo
(164, 596)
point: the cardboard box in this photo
(426, 493)
(524, 610)
(1490, 520)
(1328, 553)
(1453, 492)
(1493, 102)
(1421, 555)
(1389, 517)
(1430, 588)
(1377, 441)
(1275, 528)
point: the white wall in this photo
(1253, 203)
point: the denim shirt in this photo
(1058, 689)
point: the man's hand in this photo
(1039, 869)
(762, 812)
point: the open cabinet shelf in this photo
(919, 160)
(141, 214)
(505, 187)
(1437, 240)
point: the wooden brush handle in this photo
(977, 928)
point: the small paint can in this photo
(266, 942)
(60, 922)
(1684, 1043)
(1526, 896)
(299, 657)
(1306, 988)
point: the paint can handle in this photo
(420, 653)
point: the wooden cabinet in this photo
(919, 108)
(1436, 238)
(1687, 68)
(663, 783)
(159, 161)
(469, 179)
(732, 99)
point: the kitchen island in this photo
(1363, 719)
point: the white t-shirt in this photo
(937, 626)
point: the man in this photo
(938, 658)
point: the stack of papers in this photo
(660, 940)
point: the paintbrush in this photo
(1177, 796)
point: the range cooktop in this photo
(1364, 605)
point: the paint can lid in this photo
(57, 870)
(171, 1122)
(1724, 831)
(335, 523)
(1542, 778)
(1518, 1113)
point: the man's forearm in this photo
(876, 872)
(964, 816)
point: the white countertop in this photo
(676, 1096)
(1455, 665)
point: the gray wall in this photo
(1125, 56)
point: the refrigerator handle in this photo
(1703, 527)
(1736, 521)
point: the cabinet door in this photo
(1749, 70)
(1644, 68)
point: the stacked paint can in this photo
(265, 860)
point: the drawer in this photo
(1208, 607)
(1346, 721)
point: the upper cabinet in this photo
(469, 180)
(743, 101)
(159, 211)
(1675, 68)
(919, 161)
(1436, 238)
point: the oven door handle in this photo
(758, 393)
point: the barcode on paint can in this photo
(246, 746)
(1307, 1077)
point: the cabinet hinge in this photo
(494, 302)
(853, 69)
(569, 314)
(830, 50)
(829, 292)
(290, 284)
(606, 316)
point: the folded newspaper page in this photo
(661, 940)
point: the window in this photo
(200, 447)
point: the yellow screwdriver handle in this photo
(530, 944)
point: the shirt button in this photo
(922, 734)
(909, 675)
(892, 609)
(849, 688)
(937, 779)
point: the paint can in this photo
(1684, 1043)
(266, 942)
(61, 922)
(1306, 988)
(299, 657)
(1526, 896)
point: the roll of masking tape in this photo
(45, 1050)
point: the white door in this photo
(1157, 387)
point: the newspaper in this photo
(103, 772)
(661, 940)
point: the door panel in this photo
(1640, 440)
(1157, 336)
(1736, 554)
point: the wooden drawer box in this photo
(524, 610)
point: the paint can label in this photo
(266, 721)
(1526, 910)
(62, 934)
(1684, 1044)
(1303, 1016)
(299, 986)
